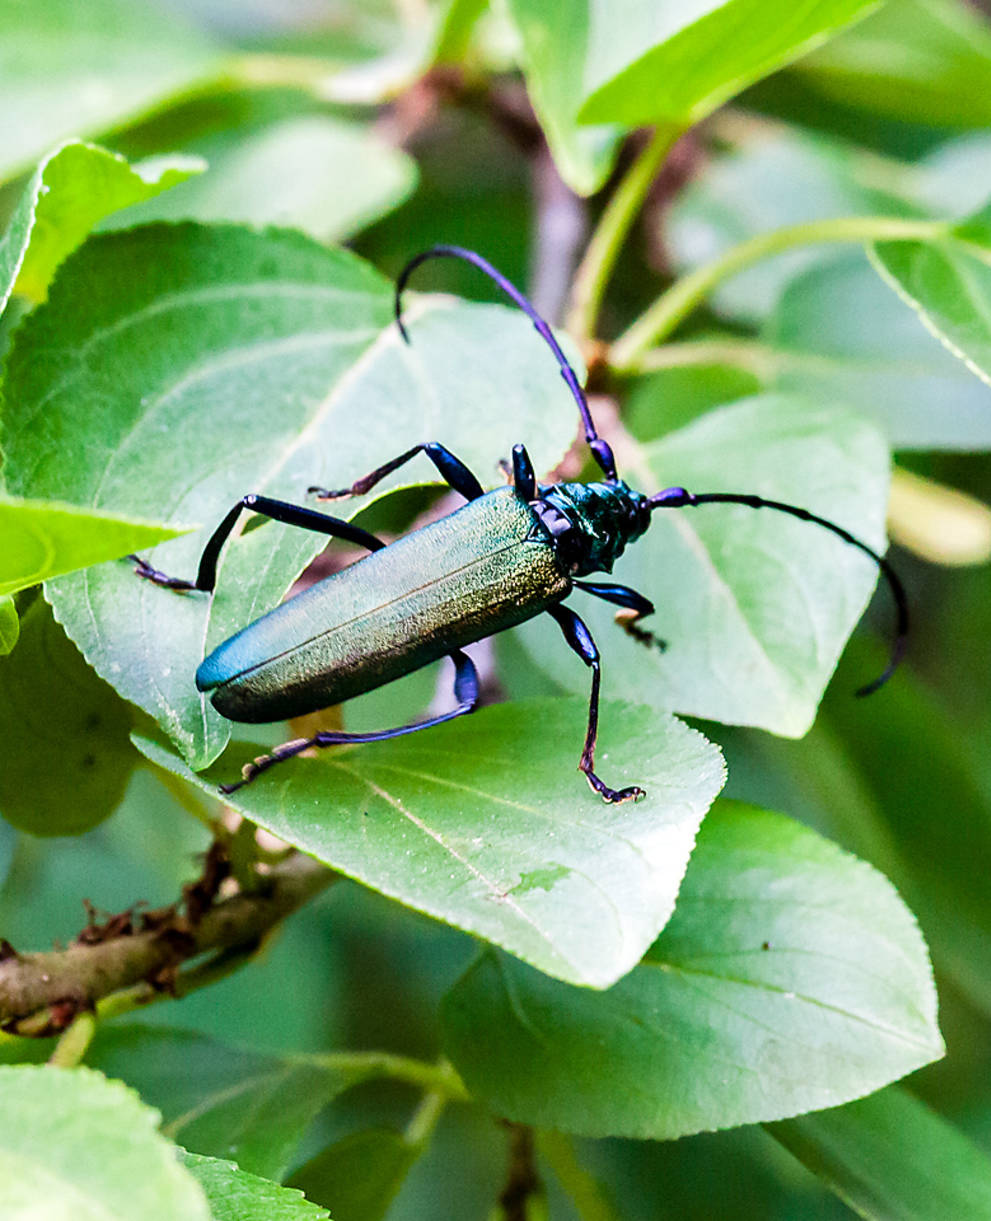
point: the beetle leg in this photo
(277, 510)
(580, 639)
(452, 470)
(635, 607)
(465, 692)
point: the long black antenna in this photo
(600, 449)
(678, 498)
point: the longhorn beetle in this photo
(502, 558)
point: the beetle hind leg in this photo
(580, 639)
(465, 692)
(451, 469)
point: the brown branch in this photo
(51, 988)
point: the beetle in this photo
(500, 559)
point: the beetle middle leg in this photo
(452, 470)
(635, 607)
(466, 686)
(580, 639)
(277, 510)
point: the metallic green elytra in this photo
(486, 567)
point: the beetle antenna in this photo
(601, 450)
(678, 498)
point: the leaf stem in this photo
(603, 249)
(585, 1193)
(439, 1078)
(425, 1118)
(674, 305)
(72, 1046)
(748, 354)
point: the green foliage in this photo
(790, 977)
(179, 332)
(74, 1144)
(578, 889)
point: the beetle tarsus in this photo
(629, 621)
(329, 494)
(613, 796)
(144, 570)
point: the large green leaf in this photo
(484, 823)
(555, 49)
(674, 61)
(45, 538)
(755, 607)
(774, 180)
(838, 335)
(222, 1100)
(791, 977)
(891, 1156)
(73, 1144)
(186, 366)
(235, 1195)
(923, 61)
(70, 191)
(70, 69)
(290, 173)
(948, 283)
(65, 754)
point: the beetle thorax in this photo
(592, 523)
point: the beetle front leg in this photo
(277, 510)
(580, 639)
(465, 692)
(452, 470)
(635, 607)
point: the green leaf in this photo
(755, 607)
(73, 1144)
(358, 1177)
(484, 823)
(921, 61)
(9, 624)
(891, 1156)
(218, 1099)
(948, 283)
(235, 1195)
(739, 195)
(66, 753)
(675, 62)
(70, 191)
(197, 364)
(73, 69)
(289, 173)
(45, 538)
(791, 977)
(838, 335)
(555, 47)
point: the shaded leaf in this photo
(358, 1177)
(922, 61)
(484, 823)
(65, 755)
(289, 173)
(891, 1156)
(73, 1144)
(222, 1100)
(755, 607)
(74, 69)
(555, 49)
(45, 538)
(198, 364)
(236, 1195)
(839, 336)
(790, 977)
(70, 191)
(738, 195)
(674, 62)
